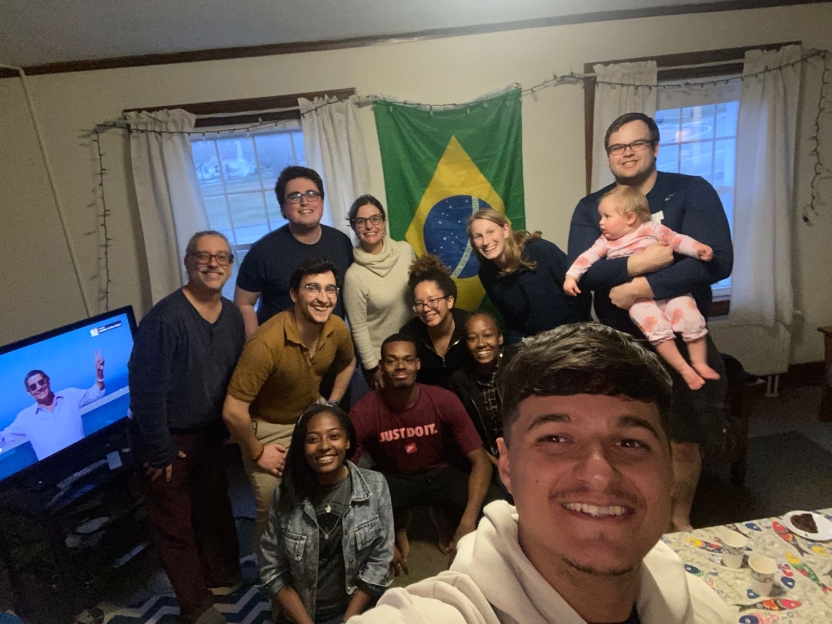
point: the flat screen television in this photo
(50, 398)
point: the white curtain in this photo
(612, 100)
(761, 285)
(335, 149)
(167, 191)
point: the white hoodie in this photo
(492, 582)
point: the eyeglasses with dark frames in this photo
(636, 146)
(224, 258)
(310, 195)
(432, 303)
(359, 222)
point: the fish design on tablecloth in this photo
(759, 618)
(808, 572)
(709, 546)
(787, 536)
(752, 525)
(819, 550)
(691, 569)
(771, 604)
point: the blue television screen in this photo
(59, 387)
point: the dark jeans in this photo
(192, 522)
(446, 487)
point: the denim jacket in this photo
(290, 543)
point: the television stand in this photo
(64, 547)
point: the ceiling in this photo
(41, 32)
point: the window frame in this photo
(674, 68)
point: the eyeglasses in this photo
(203, 257)
(40, 383)
(315, 289)
(636, 146)
(432, 303)
(310, 195)
(359, 222)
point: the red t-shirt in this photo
(417, 439)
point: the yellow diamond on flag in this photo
(457, 190)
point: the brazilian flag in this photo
(440, 166)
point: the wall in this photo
(37, 282)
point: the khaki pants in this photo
(265, 483)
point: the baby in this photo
(626, 230)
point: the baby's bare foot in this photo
(692, 378)
(705, 371)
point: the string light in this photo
(820, 168)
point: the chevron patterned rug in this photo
(245, 606)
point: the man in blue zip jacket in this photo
(687, 205)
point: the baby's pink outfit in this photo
(658, 320)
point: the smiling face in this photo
(489, 239)
(307, 213)
(311, 301)
(483, 338)
(325, 447)
(370, 235)
(632, 167)
(613, 224)
(210, 274)
(430, 303)
(38, 387)
(399, 364)
(591, 477)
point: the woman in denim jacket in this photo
(329, 541)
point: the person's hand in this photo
(99, 364)
(570, 286)
(399, 564)
(155, 473)
(273, 459)
(655, 256)
(622, 296)
(378, 379)
(706, 254)
(462, 530)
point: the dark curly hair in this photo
(429, 268)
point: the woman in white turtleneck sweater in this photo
(375, 285)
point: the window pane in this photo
(727, 199)
(668, 159)
(300, 148)
(725, 157)
(726, 119)
(218, 215)
(228, 289)
(275, 152)
(238, 165)
(249, 216)
(697, 123)
(668, 122)
(274, 211)
(696, 159)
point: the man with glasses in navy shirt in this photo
(266, 269)
(688, 205)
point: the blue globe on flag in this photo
(445, 236)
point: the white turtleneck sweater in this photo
(374, 295)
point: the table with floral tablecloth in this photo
(802, 586)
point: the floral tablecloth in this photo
(803, 585)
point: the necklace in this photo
(345, 493)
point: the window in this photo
(698, 125)
(237, 175)
(702, 141)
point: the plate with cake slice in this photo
(809, 525)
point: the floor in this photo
(795, 410)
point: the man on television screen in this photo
(54, 421)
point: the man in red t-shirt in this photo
(417, 435)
